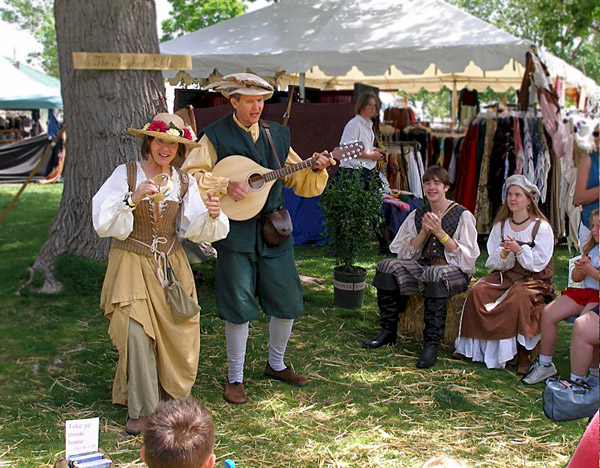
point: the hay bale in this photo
(411, 321)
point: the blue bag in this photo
(565, 400)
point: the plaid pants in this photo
(410, 276)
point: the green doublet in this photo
(246, 267)
(229, 139)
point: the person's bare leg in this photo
(552, 314)
(584, 344)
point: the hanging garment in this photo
(415, 171)
(466, 172)
(519, 155)
(483, 210)
(528, 169)
(557, 220)
(542, 163)
(397, 171)
(454, 159)
(448, 151)
(502, 162)
(553, 124)
(573, 212)
(468, 104)
(399, 117)
(422, 135)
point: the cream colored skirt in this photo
(131, 290)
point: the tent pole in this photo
(454, 117)
(302, 86)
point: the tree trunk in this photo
(99, 106)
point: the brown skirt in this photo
(498, 308)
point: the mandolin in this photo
(260, 179)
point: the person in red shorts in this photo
(574, 301)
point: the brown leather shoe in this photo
(525, 358)
(234, 393)
(524, 362)
(135, 426)
(287, 375)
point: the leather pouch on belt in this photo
(277, 227)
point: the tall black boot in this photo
(390, 303)
(436, 301)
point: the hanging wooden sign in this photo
(117, 61)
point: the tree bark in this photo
(99, 106)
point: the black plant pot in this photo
(349, 288)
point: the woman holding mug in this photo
(146, 206)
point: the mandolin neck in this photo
(287, 170)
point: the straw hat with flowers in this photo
(167, 127)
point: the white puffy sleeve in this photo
(536, 258)
(195, 223)
(495, 261)
(465, 236)
(110, 215)
(401, 243)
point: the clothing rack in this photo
(510, 107)
(581, 113)
(409, 144)
(452, 134)
(396, 144)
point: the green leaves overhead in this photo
(570, 29)
(37, 17)
(191, 15)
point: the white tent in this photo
(26, 90)
(332, 44)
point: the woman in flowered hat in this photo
(145, 205)
(501, 315)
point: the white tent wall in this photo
(19, 91)
(391, 44)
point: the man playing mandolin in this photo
(249, 267)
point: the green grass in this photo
(361, 408)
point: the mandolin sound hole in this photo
(256, 181)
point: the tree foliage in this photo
(36, 17)
(191, 15)
(569, 29)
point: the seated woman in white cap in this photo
(248, 268)
(158, 352)
(501, 315)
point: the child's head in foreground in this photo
(179, 434)
(444, 461)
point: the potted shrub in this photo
(352, 211)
